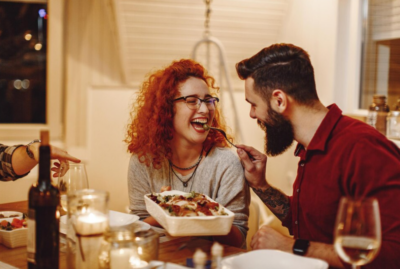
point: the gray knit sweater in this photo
(220, 176)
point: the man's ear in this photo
(279, 101)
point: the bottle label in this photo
(31, 235)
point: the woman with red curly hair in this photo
(171, 149)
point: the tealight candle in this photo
(88, 220)
(91, 224)
(120, 258)
(137, 263)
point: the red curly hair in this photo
(151, 129)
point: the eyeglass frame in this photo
(198, 104)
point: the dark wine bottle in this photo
(43, 216)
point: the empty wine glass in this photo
(72, 177)
(357, 230)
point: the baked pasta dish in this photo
(190, 205)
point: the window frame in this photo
(54, 81)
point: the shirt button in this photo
(298, 190)
(296, 222)
(301, 164)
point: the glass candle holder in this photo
(87, 223)
(119, 249)
(147, 244)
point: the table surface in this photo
(176, 250)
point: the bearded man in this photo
(339, 156)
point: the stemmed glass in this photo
(72, 177)
(357, 230)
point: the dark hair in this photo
(281, 66)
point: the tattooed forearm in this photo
(276, 201)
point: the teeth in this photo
(202, 121)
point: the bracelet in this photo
(28, 151)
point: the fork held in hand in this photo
(206, 127)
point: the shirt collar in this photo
(320, 138)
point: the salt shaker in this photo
(199, 259)
(216, 254)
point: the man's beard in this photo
(278, 133)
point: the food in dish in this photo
(10, 220)
(188, 205)
(195, 225)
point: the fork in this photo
(207, 127)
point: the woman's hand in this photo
(165, 188)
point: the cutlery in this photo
(207, 127)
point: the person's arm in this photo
(268, 238)
(138, 185)
(22, 163)
(274, 199)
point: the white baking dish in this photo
(189, 226)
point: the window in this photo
(26, 126)
(381, 51)
(23, 36)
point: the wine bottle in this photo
(43, 216)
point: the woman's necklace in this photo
(185, 183)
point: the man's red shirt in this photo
(346, 157)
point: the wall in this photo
(99, 125)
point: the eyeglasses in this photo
(194, 102)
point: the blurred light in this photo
(26, 83)
(38, 46)
(17, 84)
(42, 12)
(28, 36)
(45, 17)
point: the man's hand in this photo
(268, 238)
(254, 170)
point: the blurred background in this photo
(74, 67)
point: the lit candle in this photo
(91, 224)
(119, 258)
(137, 263)
(89, 228)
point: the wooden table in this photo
(174, 251)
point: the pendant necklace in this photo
(185, 183)
(190, 167)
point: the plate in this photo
(121, 219)
(189, 226)
(272, 259)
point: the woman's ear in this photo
(279, 101)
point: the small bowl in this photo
(10, 213)
(14, 238)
